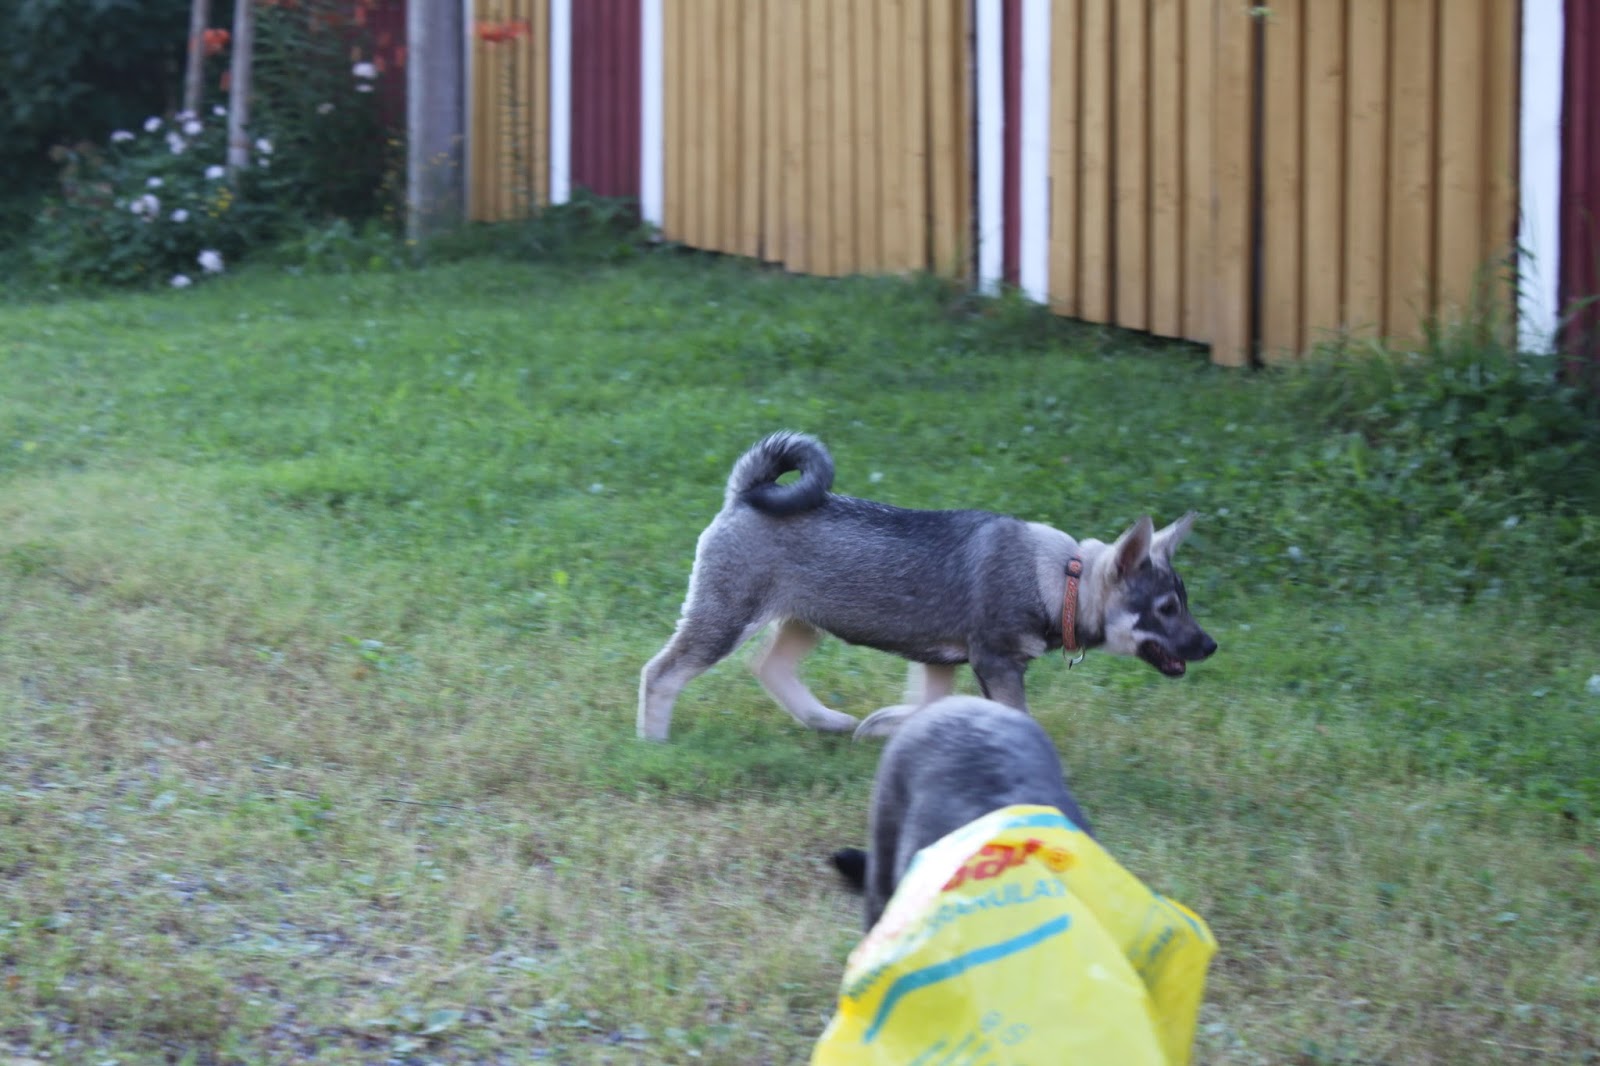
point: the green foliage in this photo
(336, 157)
(586, 229)
(144, 207)
(142, 203)
(339, 247)
(1478, 452)
(77, 69)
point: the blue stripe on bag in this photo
(930, 975)
(1042, 820)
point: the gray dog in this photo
(939, 588)
(950, 764)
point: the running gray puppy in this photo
(950, 764)
(939, 588)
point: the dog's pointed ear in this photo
(1166, 540)
(1133, 547)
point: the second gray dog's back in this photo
(951, 763)
(962, 757)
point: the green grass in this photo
(323, 600)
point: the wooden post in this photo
(199, 15)
(244, 45)
(435, 116)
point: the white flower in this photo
(152, 124)
(210, 261)
(183, 116)
(180, 215)
(214, 173)
(153, 183)
(144, 205)
(191, 128)
(323, 109)
(176, 143)
(364, 70)
(364, 87)
(181, 281)
(118, 136)
(263, 146)
(218, 110)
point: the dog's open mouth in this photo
(1157, 655)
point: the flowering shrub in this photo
(317, 77)
(154, 204)
(75, 69)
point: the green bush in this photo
(149, 202)
(317, 94)
(75, 69)
(585, 229)
(1475, 447)
(155, 205)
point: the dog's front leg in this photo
(1000, 678)
(926, 682)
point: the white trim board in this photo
(1539, 174)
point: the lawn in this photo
(323, 601)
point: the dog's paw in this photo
(826, 721)
(884, 721)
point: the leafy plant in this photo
(1464, 432)
(153, 201)
(318, 94)
(585, 229)
(79, 69)
(154, 204)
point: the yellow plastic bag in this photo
(1017, 939)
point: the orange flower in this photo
(214, 40)
(500, 32)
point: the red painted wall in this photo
(387, 24)
(605, 96)
(1580, 180)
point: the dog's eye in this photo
(1168, 606)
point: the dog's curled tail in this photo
(754, 480)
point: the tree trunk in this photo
(244, 44)
(199, 15)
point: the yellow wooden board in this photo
(1199, 45)
(1322, 278)
(1066, 31)
(1281, 185)
(1130, 118)
(1366, 166)
(1095, 262)
(1232, 74)
(1412, 184)
(1165, 238)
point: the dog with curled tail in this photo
(939, 588)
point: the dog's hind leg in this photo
(695, 648)
(775, 666)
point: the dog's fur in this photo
(949, 764)
(939, 588)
